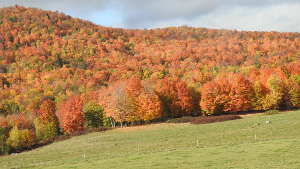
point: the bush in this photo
(3, 122)
(9, 108)
(47, 111)
(93, 114)
(21, 121)
(294, 93)
(260, 92)
(108, 122)
(45, 131)
(46, 125)
(274, 99)
(20, 139)
(4, 148)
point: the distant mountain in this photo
(45, 53)
(61, 75)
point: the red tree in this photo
(71, 115)
(241, 94)
(215, 96)
(175, 96)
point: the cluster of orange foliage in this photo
(131, 100)
(137, 75)
(3, 122)
(21, 121)
(51, 54)
(47, 111)
(175, 96)
(233, 93)
(270, 89)
(71, 115)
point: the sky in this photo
(253, 15)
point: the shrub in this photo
(93, 114)
(294, 93)
(108, 122)
(274, 99)
(46, 124)
(296, 78)
(20, 139)
(45, 131)
(260, 92)
(20, 120)
(9, 108)
(47, 111)
(3, 122)
(4, 148)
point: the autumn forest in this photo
(61, 75)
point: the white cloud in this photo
(75, 7)
(279, 15)
(267, 15)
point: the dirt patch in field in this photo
(214, 119)
(204, 119)
(144, 127)
(251, 114)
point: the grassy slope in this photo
(230, 144)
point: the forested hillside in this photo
(61, 75)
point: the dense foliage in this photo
(63, 75)
(71, 115)
(94, 115)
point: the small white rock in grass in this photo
(268, 122)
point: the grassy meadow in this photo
(255, 142)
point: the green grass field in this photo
(249, 143)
